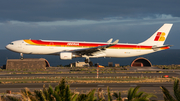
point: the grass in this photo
(59, 70)
(168, 66)
(79, 71)
(124, 68)
(122, 79)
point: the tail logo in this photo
(160, 36)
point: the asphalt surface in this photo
(153, 88)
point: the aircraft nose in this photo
(7, 47)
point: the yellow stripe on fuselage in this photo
(30, 42)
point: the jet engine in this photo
(66, 55)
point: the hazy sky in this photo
(130, 21)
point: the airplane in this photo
(72, 49)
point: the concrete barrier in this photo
(32, 64)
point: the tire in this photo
(91, 63)
(86, 60)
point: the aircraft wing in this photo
(89, 51)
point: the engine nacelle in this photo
(66, 55)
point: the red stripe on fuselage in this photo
(40, 42)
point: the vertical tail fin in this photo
(159, 37)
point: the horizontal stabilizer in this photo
(156, 48)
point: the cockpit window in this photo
(11, 43)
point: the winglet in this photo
(115, 42)
(110, 40)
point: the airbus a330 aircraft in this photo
(72, 49)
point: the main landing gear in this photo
(87, 60)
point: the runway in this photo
(153, 88)
(39, 85)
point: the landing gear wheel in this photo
(87, 60)
(91, 63)
(21, 54)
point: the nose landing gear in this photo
(21, 54)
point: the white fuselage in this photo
(21, 46)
